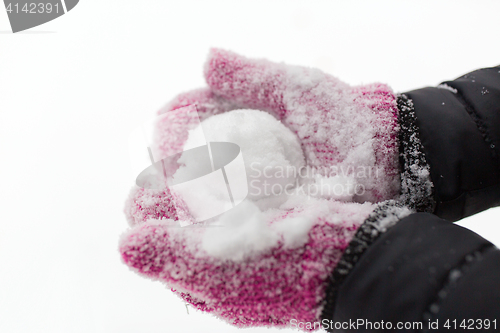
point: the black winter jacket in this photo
(426, 273)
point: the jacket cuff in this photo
(419, 270)
(458, 122)
(386, 215)
(417, 189)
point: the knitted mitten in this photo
(269, 266)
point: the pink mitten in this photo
(265, 264)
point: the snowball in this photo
(271, 152)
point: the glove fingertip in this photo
(141, 248)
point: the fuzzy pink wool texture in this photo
(283, 283)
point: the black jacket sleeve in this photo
(458, 124)
(422, 270)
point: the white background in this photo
(71, 91)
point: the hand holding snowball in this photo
(269, 259)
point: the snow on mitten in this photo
(268, 260)
(339, 127)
